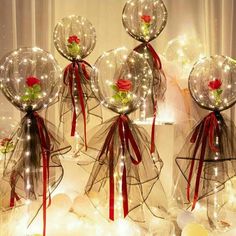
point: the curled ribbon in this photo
(75, 72)
(205, 132)
(127, 140)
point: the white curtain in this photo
(31, 23)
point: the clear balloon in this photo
(74, 37)
(29, 78)
(121, 79)
(212, 82)
(144, 20)
(184, 51)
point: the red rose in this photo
(146, 18)
(5, 141)
(124, 85)
(73, 39)
(215, 84)
(31, 81)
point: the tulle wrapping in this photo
(219, 166)
(158, 86)
(71, 101)
(75, 38)
(158, 83)
(142, 179)
(23, 170)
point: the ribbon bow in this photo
(205, 132)
(127, 141)
(73, 72)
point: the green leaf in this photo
(74, 49)
(37, 88)
(114, 87)
(117, 97)
(33, 97)
(123, 94)
(25, 98)
(125, 100)
(28, 90)
(219, 91)
(145, 29)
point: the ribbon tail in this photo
(214, 129)
(85, 72)
(44, 197)
(45, 149)
(14, 195)
(201, 161)
(125, 193)
(157, 59)
(121, 133)
(12, 199)
(158, 65)
(112, 183)
(66, 72)
(196, 135)
(129, 138)
(73, 124)
(152, 150)
(81, 98)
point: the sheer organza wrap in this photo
(77, 101)
(207, 160)
(124, 172)
(33, 170)
(30, 81)
(125, 175)
(157, 87)
(75, 39)
(158, 83)
(144, 21)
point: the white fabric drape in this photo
(31, 23)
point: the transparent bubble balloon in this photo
(212, 82)
(30, 78)
(144, 20)
(185, 51)
(74, 37)
(121, 79)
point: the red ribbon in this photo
(44, 137)
(157, 60)
(127, 140)
(158, 65)
(73, 72)
(204, 133)
(14, 195)
(45, 148)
